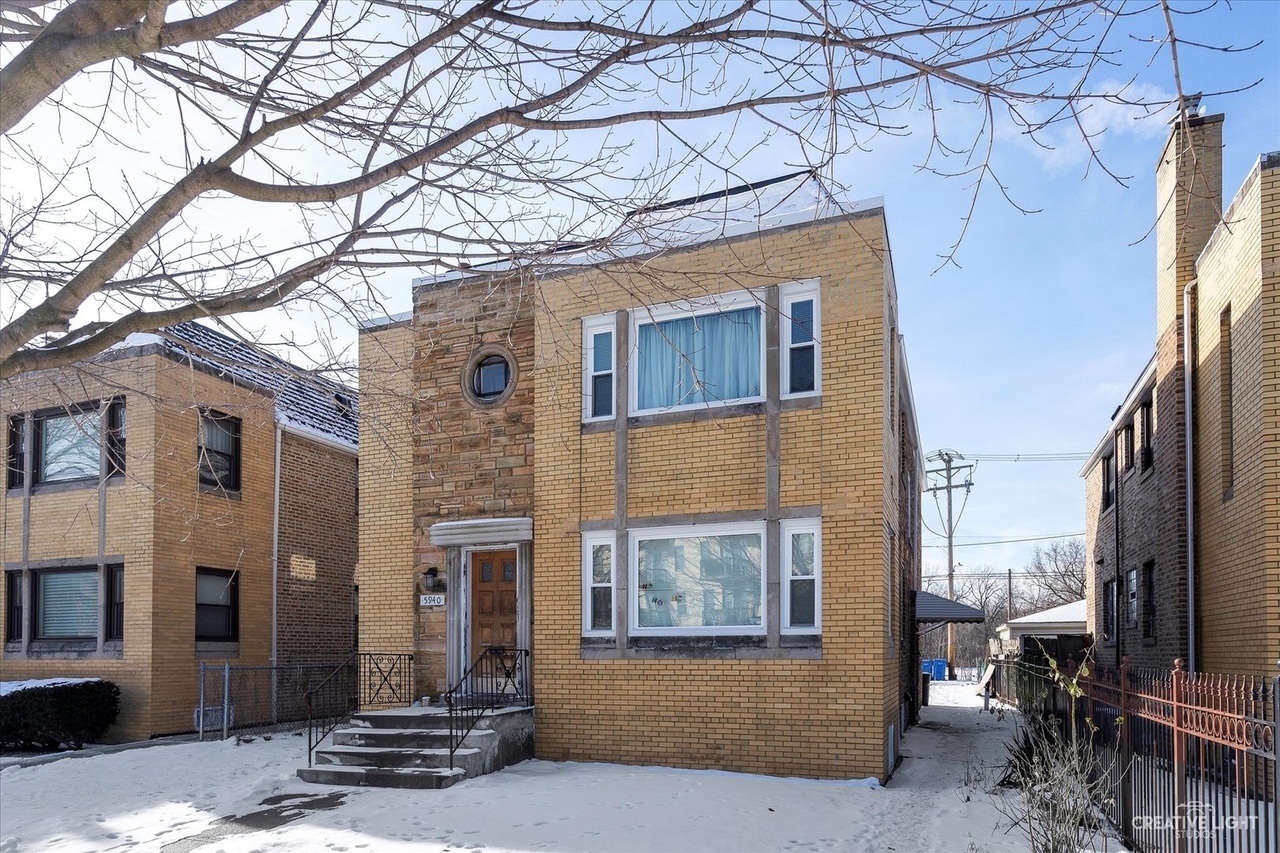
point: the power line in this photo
(1008, 541)
(1028, 457)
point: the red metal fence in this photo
(1189, 758)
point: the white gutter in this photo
(275, 551)
(1188, 391)
(318, 437)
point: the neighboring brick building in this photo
(695, 460)
(1222, 268)
(149, 492)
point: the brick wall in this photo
(1238, 495)
(317, 552)
(385, 571)
(824, 717)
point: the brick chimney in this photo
(1188, 208)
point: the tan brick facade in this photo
(815, 705)
(161, 526)
(1230, 283)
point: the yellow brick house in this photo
(184, 498)
(682, 474)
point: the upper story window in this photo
(219, 450)
(689, 355)
(68, 443)
(800, 326)
(597, 348)
(1147, 422)
(491, 377)
(1108, 481)
(1109, 611)
(1126, 446)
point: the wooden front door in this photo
(493, 600)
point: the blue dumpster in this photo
(926, 666)
(939, 669)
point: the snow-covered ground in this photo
(245, 797)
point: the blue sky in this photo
(1032, 339)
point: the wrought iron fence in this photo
(1190, 758)
(237, 699)
(498, 678)
(366, 680)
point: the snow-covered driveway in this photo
(241, 798)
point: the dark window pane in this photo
(486, 572)
(602, 395)
(17, 451)
(602, 352)
(213, 622)
(13, 606)
(115, 603)
(509, 571)
(601, 608)
(802, 321)
(491, 377)
(802, 609)
(802, 372)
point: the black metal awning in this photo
(936, 608)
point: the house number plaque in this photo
(432, 600)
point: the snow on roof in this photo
(310, 403)
(1076, 611)
(780, 202)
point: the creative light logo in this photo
(1195, 819)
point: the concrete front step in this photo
(383, 777)
(409, 748)
(464, 759)
(405, 738)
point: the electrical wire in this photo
(1009, 541)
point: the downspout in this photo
(275, 553)
(1120, 593)
(1188, 390)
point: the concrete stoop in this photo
(409, 748)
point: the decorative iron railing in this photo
(364, 680)
(1191, 757)
(499, 678)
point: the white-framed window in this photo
(801, 576)
(801, 327)
(691, 354)
(597, 584)
(597, 368)
(699, 579)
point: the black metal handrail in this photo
(497, 679)
(364, 680)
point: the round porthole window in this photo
(490, 375)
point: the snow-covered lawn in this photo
(245, 797)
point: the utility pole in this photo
(1010, 619)
(950, 469)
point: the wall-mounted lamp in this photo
(430, 580)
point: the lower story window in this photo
(66, 604)
(12, 606)
(698, 580)
(217, 605)
(597, 584)
(801, 577)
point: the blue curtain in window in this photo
(703, 359)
